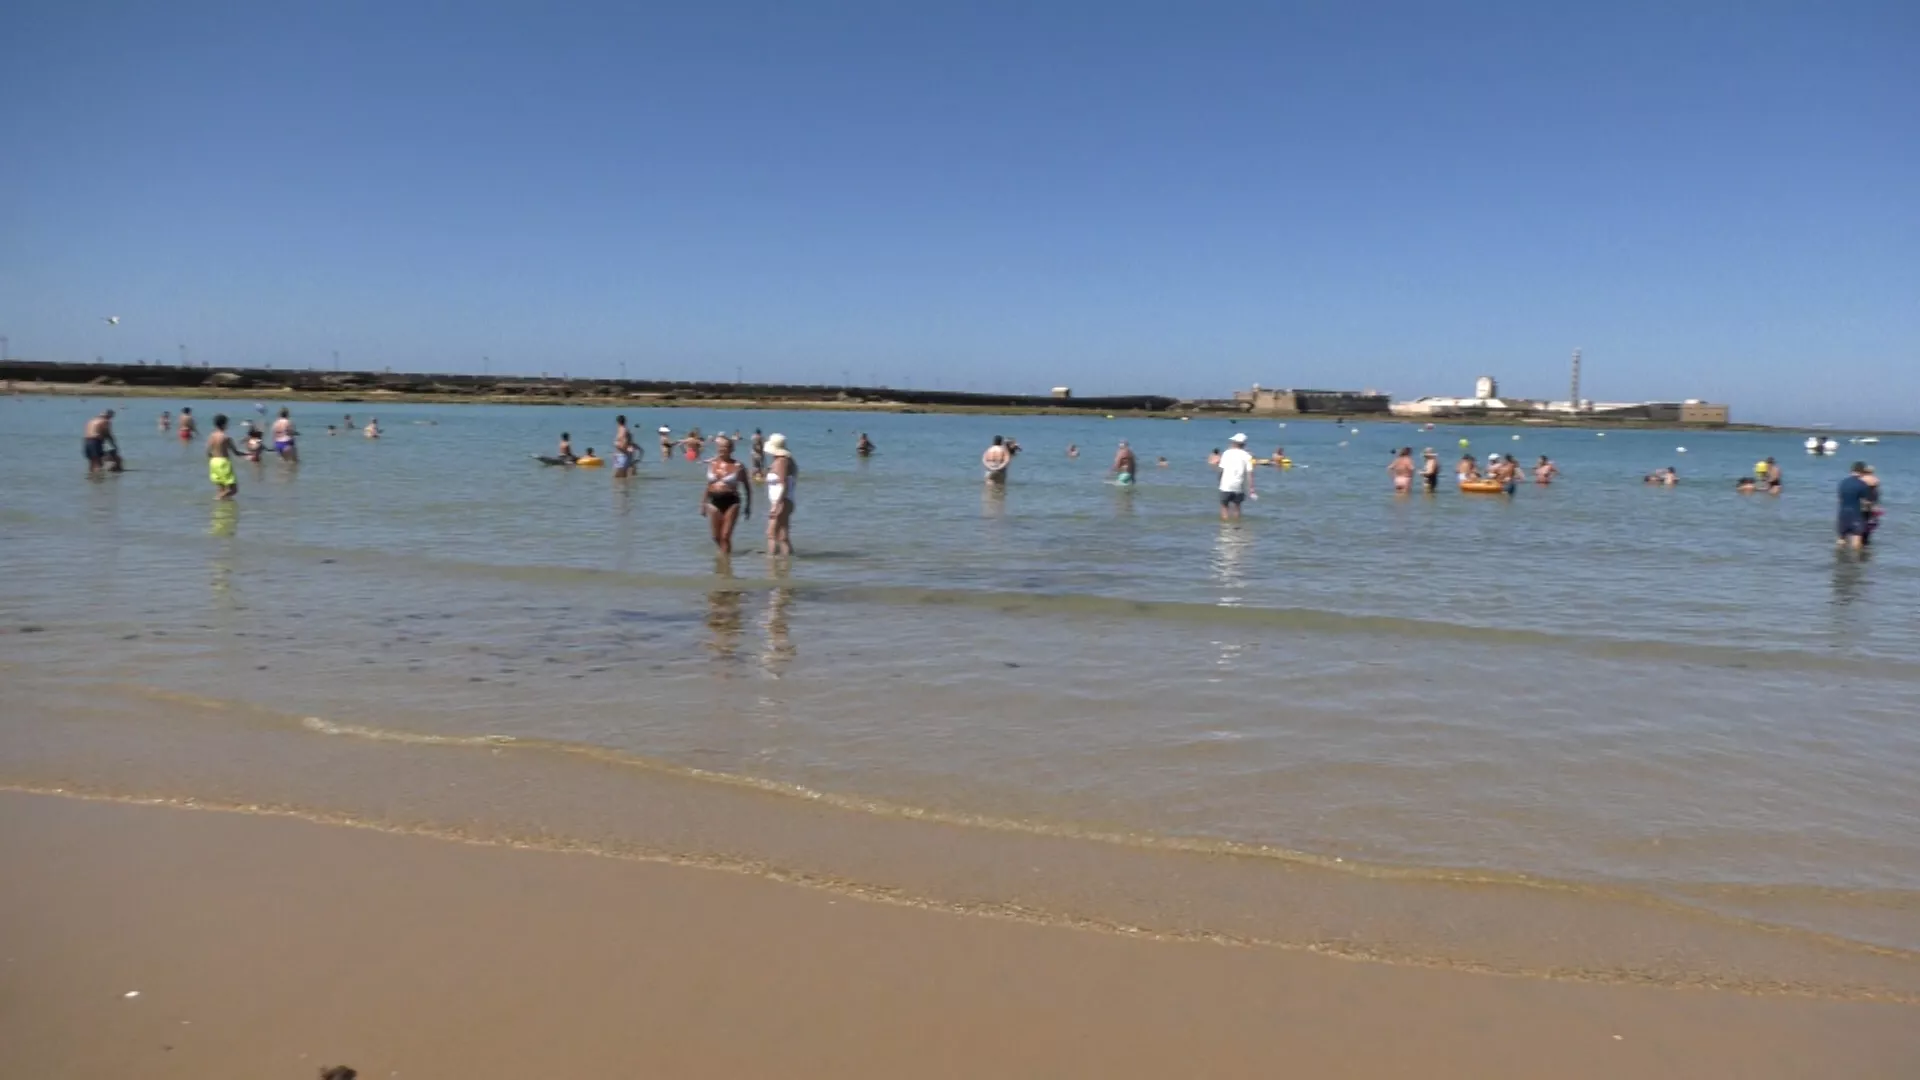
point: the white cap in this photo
(1238, 437)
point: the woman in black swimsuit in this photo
(727, 495)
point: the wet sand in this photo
(266, 947)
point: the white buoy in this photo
(1679, 449)
(1516, 438)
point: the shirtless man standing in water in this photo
(284, 438)
(220, 460)
(1123, 465)
(1506, 471)
(98, 438)
(996, 460)
(1430, 469)
(1401, 469)
(625, 453)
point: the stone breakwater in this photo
(154, 377)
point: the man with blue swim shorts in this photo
(98, 439)
(1123, 465)
(283, 438)
(625, 454)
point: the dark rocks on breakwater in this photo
(520, 387)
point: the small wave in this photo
(999, 910)
(1672, 897)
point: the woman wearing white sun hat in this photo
(783, 475)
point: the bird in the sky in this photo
(110, 320)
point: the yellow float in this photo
(588, 462)
(1482, 487)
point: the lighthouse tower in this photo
(1485, 389)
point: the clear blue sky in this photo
(1714, 199)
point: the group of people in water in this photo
(728, 492)
(727, 495)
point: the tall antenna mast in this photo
(1575, 399)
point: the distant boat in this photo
(1815, 445)
(1866, 440)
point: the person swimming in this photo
(1545, 470)
(864, 447)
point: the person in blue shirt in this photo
(1856, 493)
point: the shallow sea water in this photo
(1680, 694)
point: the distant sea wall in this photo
(485, 387)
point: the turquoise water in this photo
(1677, 689)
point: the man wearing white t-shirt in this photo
(1236, 478)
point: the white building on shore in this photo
(1487, 402)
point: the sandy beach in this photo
(263, 947)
